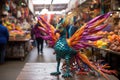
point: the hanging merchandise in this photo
(72, 4)
(6, 6)
(96, 4)
(102, 7)
(22, 12)
(91, 7)
(26, 12)
(19, 12)
(115, 5)
(81, 1)
(95, 7)
(12, 5)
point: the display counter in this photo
(17, 48)
(110, 56)
(107, 50)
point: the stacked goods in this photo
(117, 29)
(12, 26)
(114, 43)
(110, 41)
(15, 31)
(104, 34)
(113, 40)
(100, 44)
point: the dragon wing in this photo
(81, 37)
(48, 31)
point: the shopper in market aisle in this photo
(72, 27)
(36, 31)
(33, 36)
(4, 37)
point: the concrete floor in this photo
(11, 69)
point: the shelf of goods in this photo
(18, 46)
(107, 49)
(109, 56)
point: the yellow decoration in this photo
(101, 44)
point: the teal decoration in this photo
(63, 51)
(102, 7)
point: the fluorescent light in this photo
(60, 1)
(44, 11)
(69, 12)
(111, 14)
(49, 1)
(41, 1)
(117, 12)
(119, 8)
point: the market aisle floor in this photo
(11, 69)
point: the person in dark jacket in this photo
(36, 31)
(4, 37)
(72, 28)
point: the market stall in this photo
(18, 20)
(108, 48)
(18, 45)
(17, 48)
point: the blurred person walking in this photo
(39, 40)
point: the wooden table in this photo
(41, 71)
(17, 48)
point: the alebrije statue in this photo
(67, 48)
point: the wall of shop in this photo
(30, 5)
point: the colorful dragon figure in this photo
(67, 48)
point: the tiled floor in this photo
(41, 71)
(12, 68)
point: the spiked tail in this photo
(85, 60)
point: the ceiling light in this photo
(69, 12)
(111, 14)
(117, 12)
(119, 8)
(44, 11)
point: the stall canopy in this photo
(55, 5)
(50, 1)
(51, 5)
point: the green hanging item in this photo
(102, 7)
